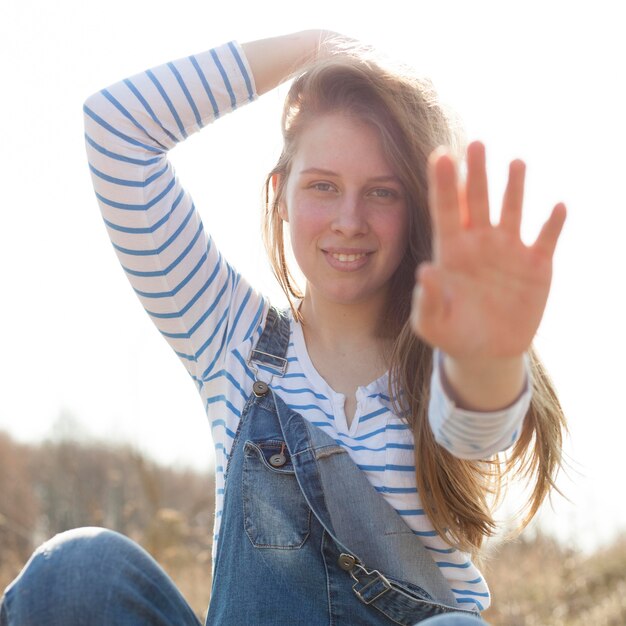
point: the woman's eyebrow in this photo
(378, 179)
(318, 170)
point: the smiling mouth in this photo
(347, 258)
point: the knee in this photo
(75, 555)
(71, 569)
(85, 544)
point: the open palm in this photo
(484, 293)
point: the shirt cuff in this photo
(472, 434)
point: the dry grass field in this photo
(535, 581)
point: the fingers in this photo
(443, 195)
(477, 191)
(549, 235)
(457, 206)
(511, 217)
(454, 204)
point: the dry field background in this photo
(535, 581)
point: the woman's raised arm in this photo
(196, 300)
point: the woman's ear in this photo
(282, 208)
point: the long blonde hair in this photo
(457, 495)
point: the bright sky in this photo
(538, 80)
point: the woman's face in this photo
(346, 209)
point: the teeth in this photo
(347, 258)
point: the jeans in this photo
(96, 577)
(92, 576)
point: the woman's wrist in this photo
(483, 384)
(276, 59)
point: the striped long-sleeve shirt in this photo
(211, 317)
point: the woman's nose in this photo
(350, 218)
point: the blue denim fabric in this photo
(92, 577)
(305, 539)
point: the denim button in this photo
(346, 561)
(259, 388)
(278, 460)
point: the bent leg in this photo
(93, 577)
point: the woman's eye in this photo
(322, 186)
(384, 193)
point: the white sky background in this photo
(540, 80)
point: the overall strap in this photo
(271, 348)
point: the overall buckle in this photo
(281, 366)
(260, 387)
(372, 589)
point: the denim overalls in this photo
(305, 538)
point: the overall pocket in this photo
(275, 512)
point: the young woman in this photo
(356, 433)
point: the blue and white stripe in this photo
(211, 317)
